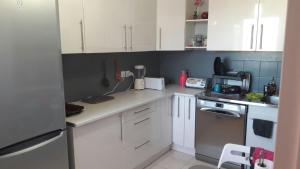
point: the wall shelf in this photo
(196, 20)
(196, 29)
(195, 47)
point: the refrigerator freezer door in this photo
(49, 154)
(31, 99)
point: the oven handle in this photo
(225, 113)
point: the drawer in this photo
(138, 112)
(138, 130)
(140, 153)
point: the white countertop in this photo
(123, 101)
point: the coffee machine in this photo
(139, 74)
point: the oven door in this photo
(214, 129)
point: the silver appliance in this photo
(32, 116)
(218, 123)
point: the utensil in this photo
(105, 81)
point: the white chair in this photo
(233, 153)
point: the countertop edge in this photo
(168, 92)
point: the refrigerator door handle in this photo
(31, 148)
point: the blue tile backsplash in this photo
(83, 72)
(263, 66)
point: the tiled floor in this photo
(177, 160)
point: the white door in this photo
(232, 25)
(106, 25)
(271, 25)
(71, 26)
(178, 120)
(170, 25)
(142, 25)
(189, 122)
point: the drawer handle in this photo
(141, 111)
(146, 119)
(138, 147)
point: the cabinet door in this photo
(271, 27)
(170, 25)
(99, 144)
(105, 25)
(232, 25)
(142, 25)
(166, 122)
(189, 122)
(178, 120)
(71, 26)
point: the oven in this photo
(218, 123)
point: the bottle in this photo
(182, 78)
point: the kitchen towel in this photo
(255, 154)
(263, 128)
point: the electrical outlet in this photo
(123, 74)
(127, 73)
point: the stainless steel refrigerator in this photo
(32, 118)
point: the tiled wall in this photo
(83, 73)
(262, 65)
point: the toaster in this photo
(154, 83)
(199, 83)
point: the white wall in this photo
(288, 139)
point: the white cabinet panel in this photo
(71, 26)
(166, 122)
(99, 144)
(178, 120)
(271, 25)
(184, 109)
(142, 25)
(170, 25)
(189, 128)
(232, 25)
(105, 25)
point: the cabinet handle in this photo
(138, 147)
(261, 36)
(252, 37)
(178, 107)
(125, 34)
(189, 109)
(146, 119)
(160, 34)
(142, 110)
(121, 121)
(82, 36)
(131, 35)
(172, 104)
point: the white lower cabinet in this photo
(184, 109)
(125, 141)
(98, 144)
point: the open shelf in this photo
(196, 20)
(195, 47)
(196, 29)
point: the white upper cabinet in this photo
(232, 25)
(71, 26)
(106, 25)
(170, 25)
(271, 25)
(142, 25)
(248, 25)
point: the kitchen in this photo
(118, 117)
